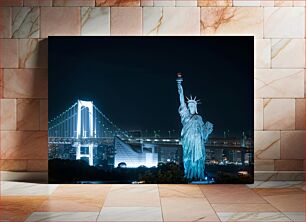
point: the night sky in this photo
(133, 79)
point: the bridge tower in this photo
(82, 133)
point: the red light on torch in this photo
(179, 77)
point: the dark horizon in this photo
(133, 79)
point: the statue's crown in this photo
(193, 100)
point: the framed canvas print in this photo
(171, 109)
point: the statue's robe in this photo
(193, 137)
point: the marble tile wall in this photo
(278, 27)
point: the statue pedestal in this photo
(202, 182)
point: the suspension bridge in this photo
(83, 125)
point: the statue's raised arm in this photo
(180, 89)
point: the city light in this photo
(87, 127)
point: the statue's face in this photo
(192, 108)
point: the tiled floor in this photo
(269, 201)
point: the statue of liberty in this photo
(193, 135)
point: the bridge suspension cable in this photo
(118, 130)
(84, 120)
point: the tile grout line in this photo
(104, 202)
(161, 209)
(278, 210)
(209, 203)
(267, 202)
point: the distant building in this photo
(124, 153)
(170, 154)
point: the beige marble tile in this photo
(5, 22)
(290, 175)
(71, 204)
(258, 123)
(24, 145)
(289, 165)
(300, 114)
(229, 194)
(8, 114)
(279, 83)
(182, 190)
(279, 114)
(278, 191)
(52, 16)
(295, 216)
(126, 21)
(130, 214)
(95, 21)
(26, 189)
(90, 191)
(277, 184)
(263, 207)
(73, 2)
(40, 177)
(75, 197)
(263, 53)
(253, 216)
(33, 53)
(28, 114)
(18, 208)
(283, 3)
(186, 3)
(187, 209)
(8, 53)
(25, 83)
(211, 3)
(159, 21)
(25, 22)
(232, 20)
(267, 145)
(1, 83)
(37, 2)
(267, 3)
(133, 196)
(299, 3)
(279, 175)
(43, 114)
(13, 165)
(5, 3)
(163, 3)
(263, 165)
(305, 82)
(123, 3)
(146, 2)
(292, 144)
(37, 165)
(63, 216)
(288, 53)
(249, 3)
(278, 22)
(284, 199)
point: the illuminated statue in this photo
(193, 136)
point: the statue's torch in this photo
(179, 78)
(179, 81)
